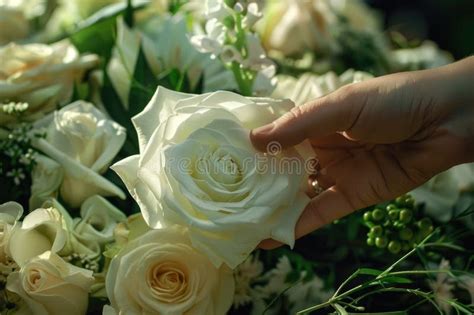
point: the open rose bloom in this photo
(161, 273)
(198, 168)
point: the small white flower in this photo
(307, 293)
(443, 286)
(217, 9)
(213, 41)
(253, 14)
(245, 275)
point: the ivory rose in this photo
(13, 24)
(161, 273)
(83, 141)
(42, 230)
(95, 227)
(10, 213)
(40, 75)
(198, 168)
(292, 27)
(310, 86)
(442, 192)
(50, 286)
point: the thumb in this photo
(324, 116)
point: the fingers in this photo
(322, 117)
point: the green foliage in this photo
(369, 282)
(97, 33)
(17, 159)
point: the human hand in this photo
(378, 139)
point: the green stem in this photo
(243, 81)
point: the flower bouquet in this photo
(130, 184)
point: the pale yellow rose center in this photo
(168, 281)
(221, 166)
(34, 279)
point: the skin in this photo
(378, 139)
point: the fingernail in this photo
(263, 130)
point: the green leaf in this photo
(380, 313)
(128, 15)
(111, 11)
(143, 87)
(396, 279)
(340, 310)
(369, 271)
(96, 34)
(98, 38)
(117, 112)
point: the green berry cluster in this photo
(397, 226)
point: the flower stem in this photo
(244, 81)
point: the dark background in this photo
(450, 23)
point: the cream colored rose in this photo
(50, 286)
(295, 26)
(161, 273)
(46, 177)
(130, 229)
(40, 75)
(10, 213)
(13, 24)
(310, 86)
(44, 229)
(441, 192)
(426, 56)
(97, 222)
(83, 141)
(198, 168)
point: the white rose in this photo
(51, 286)
(84, 141)
(295, 26)
(135, 226)
(428, 55)
(98, 221)
(161, 273)
(441, 192)
(10, 213)
(235, 204)
(310, 86)
(44, 229)
(46, 177)
(42, 76)
(13, 24)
